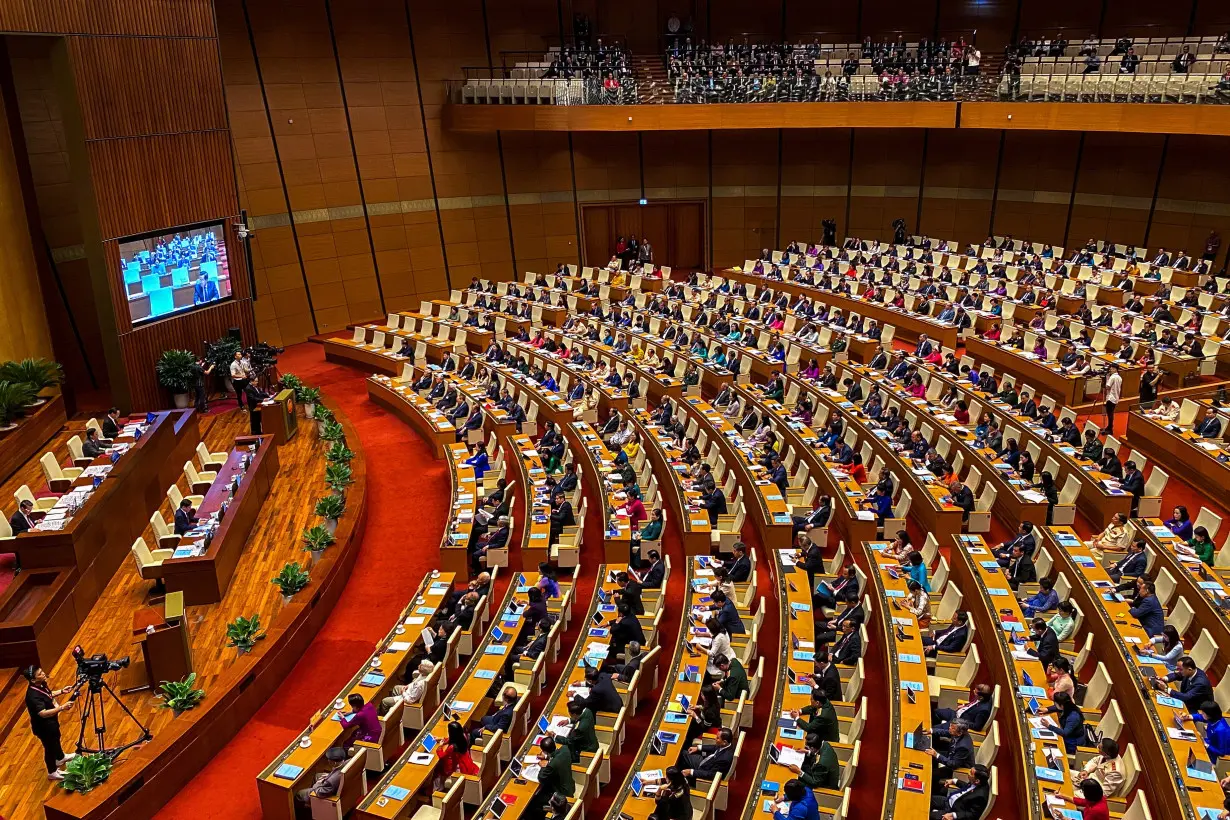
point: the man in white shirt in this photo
(241, 375)
(1110, 395)
(413, 691)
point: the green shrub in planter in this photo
(309, 397)
(338, 477)
(339, 453)
(181, 695)
(174, 370)
(290, 381)
(332, 430)
(243, 633)
(85, 771)
(38, 373)
(331, 507)
(291, 579)
(15, 397)
(221, 353)
(317, 539)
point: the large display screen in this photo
(174, 272)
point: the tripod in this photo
(93, 712)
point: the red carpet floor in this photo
(408, 501)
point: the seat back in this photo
(159, 526)
(51, 468)
(74, 447)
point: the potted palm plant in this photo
(175, 374)
(220, 354)
(15, 397)
(85, 771)
(316, 540)
(330, 507)
(38, 373)
(243, 633)
(291, 579)
(181, 695)
(338, 477)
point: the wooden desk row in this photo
(1041, 761)
(1099, 497)
(666, 458)
(616, 528)
(409, 780)
(1015, 500)
(536, 531)
(238, 494)
(1182, 452)
(1174, 790)
(931, 505)
(910, 324)
(296, 767)
(398, 397)
(68, 568)
(847, 495)
(1047, 378)
(770, 510)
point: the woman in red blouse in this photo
(1091, 801)
(454, 753)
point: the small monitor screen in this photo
(174, 272)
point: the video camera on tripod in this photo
(95, 666)
(90, 671)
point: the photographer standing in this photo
(43, 709)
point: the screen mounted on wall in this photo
(173, 272)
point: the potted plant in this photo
(291, 579)
(309, 397)
(38, 373)
(15, 397)
(316, 540)
(243, 633)
(338, 477)
(323, 417)
(175, 374)
(331, 430)
(290, 381)
(330, 508)
(181, 695)
(339, 453)
(85, 771)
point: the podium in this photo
(161, 634)
(279, 418)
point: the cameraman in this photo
(43, 709)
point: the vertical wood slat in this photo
(167, 18)
(154, 182)
(129, 86)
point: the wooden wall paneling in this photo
(525, 26)
(373, 43)
(889, 19)
(599, 234)
(129, 86)
(469, 183)
(1211, 18)
(815, 177)
(687, 235)
(885, 181)
(745, 178)
(539, 174)
(1035, 185)
(1077, 19)
(1189, 178)
(189, 18)
(160, 181)
(1142, 18)
(639, 21)
(829, 22)
(1118, 174)
(740, 18)
(959, 183)
(992, 20)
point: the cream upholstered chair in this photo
(166, 535)
(354, 786)
(60, 479)
(209, 459)
(176, 496)
(78, 455)
(6, 532)
(149, 564)
(40, 504)
(199, 481)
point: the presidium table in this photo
(204, 560)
